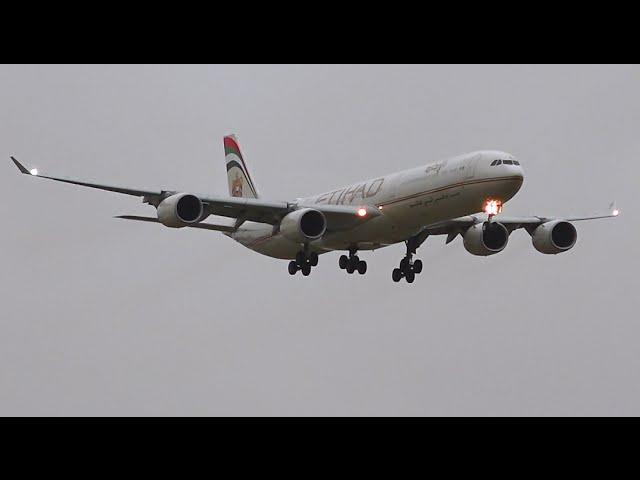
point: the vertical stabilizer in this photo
(240, 182)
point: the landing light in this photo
(33, 171)
(362, 212)
(493, 207)
(616, 212)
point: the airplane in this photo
(461, 196)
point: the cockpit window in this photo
(504, 162)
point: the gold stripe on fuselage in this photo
(455, 185)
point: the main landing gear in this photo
(352, 263)
(303, 262)
(409, 268)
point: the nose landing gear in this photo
(352, 263)
(303, 262)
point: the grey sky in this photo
(104, 317)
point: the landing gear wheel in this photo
(396, 275)
(304, 261)
(403, 265)
(293, 268)
(362, 267)
(407, 268)
(417, 267)
(352, 263)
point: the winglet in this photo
(613, 208)
(23, 169)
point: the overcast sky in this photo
(104, 317)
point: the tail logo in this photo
(236, 186)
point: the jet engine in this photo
(304, 225)
(486, 238)
(554, 237)
(180, 210)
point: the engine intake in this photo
(486, 238)
(554, 237)
(304, 225)
(180, 210)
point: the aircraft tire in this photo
(407, 268)
(403, 265)
(417, 267)
(362, 267)
(396, 275)
(293, 268)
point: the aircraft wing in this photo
(110, 188)
(339, 217)
(458, 225)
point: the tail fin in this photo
(240, 183)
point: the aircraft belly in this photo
(503, 189)
(378, 232)
(277, 247)
(260, 238)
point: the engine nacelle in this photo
(304, 225)
(486, 238)
(554, 237)
(180, 210)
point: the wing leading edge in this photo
(453, 227)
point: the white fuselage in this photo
(407, 200)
